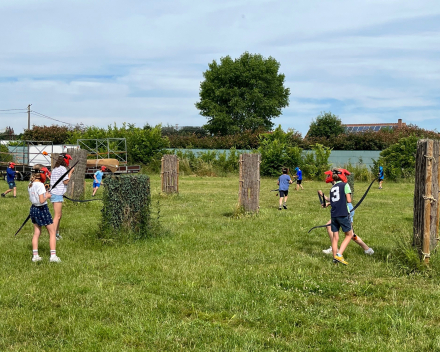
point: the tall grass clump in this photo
(405, 257)
(208, 163)
(359, 171)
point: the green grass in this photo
(218, 282)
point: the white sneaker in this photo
(369, 251)
(36, 258)
(55, 259)
(328, 251)
(59, 237)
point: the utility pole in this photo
(29, 116)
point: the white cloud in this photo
(142, 61)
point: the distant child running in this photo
(39, 213)
(61, 188)
(10, 178)
(299, 177)
(380, 175)
(97, 179)
(283, 182)
(340, 195)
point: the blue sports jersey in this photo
(10, 174)
(299, 173)
(284, 182)
(381, 172)
(98, 175)
(338, 199)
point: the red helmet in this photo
(342, 173)
(66, 157)
(11, 164)
(103, 168)
(46, 171)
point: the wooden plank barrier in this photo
(249, 182)
(170, 173)
(426, 198)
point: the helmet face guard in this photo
(44, 172)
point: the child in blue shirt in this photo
(10, 178)
(380, 176)
(283, 182)
(97, 179)
(299, 177)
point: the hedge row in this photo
(352, 141)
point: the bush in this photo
(144, 145)
(4, 154)
(398, 160)
(326, 125)
(56, 134)
(126, 208)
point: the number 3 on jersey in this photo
(335, 194)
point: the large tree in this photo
(242, 94)
(326, 125)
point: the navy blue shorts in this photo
(41, 215)
(283, 193)
(95, 184)
(341, 221)
(11, 185)
(298, 182)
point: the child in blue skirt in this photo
(39, 213)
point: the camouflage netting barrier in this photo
(126, 207)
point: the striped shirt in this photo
(60, 188)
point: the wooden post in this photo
(75, 188)
(426, 198)
(249, 182)
(170, 174)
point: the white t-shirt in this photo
(61, 188)
(34, 193)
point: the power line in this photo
(11, 112)
(50, 118)
(12, 109)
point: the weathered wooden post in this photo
(249, 180)
(75, 188)
(426, 198)
(170, 173)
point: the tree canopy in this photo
(326, 125)
(242, 94)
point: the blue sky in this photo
(138, 61)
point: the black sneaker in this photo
(285, 206)
(3, 195)
(280, 208)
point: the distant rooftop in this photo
(363, 127)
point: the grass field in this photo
(215, 281)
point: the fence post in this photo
(170, 174)
(249, 182)
(426, 198)
(75, 188)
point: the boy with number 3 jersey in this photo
(340, 195)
